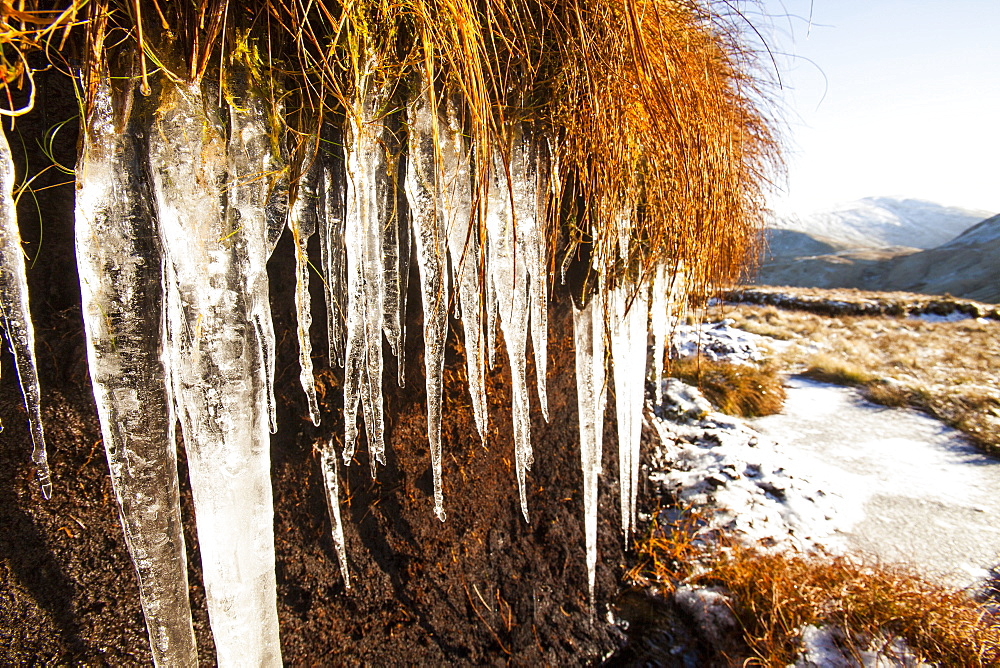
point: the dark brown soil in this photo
(482, 588)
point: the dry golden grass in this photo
(744, 390)
(774, 595)
(948, 369)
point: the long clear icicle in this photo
(365, 277)
(628, 314)
(119, 260)
(331, 480)
(252, 165)
(464, 253)
(588, 335)
(17, 316)
(508, 274)
(302, 225)
(529, 189)
(430, 240)
(220, 390)
(333, 256)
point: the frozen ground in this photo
(831, 471)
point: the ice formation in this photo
(181, 204)
(463, 251)
(121, 284)
(363, 237)
(331, 473)
(628, 310)
(430, 238)
(302, 225)
(508, 274)
(588, 336)
(17, 324)
(666, 305)
(220, 390)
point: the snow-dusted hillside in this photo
(877, 222)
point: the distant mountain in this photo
(966, 266)
(879, 222)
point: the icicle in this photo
(395, 236)
(333, 254)
(529, 189)
(628, 313)
(463, 249)
(660, 328)
(302, 225)
(120, 265)
(219, 389)
(429, 236)
(16, 315)
(588, 335)
(252, 162)
(331, 480)
(365, 272)
(509, 277)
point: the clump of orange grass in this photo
(653, 111)
(743, 390)
(773, 595)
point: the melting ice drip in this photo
(178, 212)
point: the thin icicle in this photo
(331, 480)
(588, 334)
(395, 237)
(302, 225)
(20, 332)
(529, 199)
(219, 388)
(659, 325)
(252, 162)
(120, 265)
(509, 277)
(463, 250)
(365, 271)
(430, 238)
(628, 313)
(333, 255)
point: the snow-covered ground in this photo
(832, 472)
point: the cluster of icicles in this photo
(174, 228)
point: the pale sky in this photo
(897, 98)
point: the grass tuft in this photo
(743, 390)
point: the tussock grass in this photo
(950, 370)
(774, 595)
(743, 390)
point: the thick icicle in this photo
(119, 260)
(529, 184)
(430, 239)
(509, 277)
(365, 271)
(16, 315)
(333, 255)
(302, 225)
(588, 334)
(628, 313)
(331, 480)
(252, 165)
(463, 249)
(220, 390)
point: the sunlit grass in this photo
(948, 369)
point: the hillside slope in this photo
(967, 266)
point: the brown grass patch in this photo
(744, 390)
(950, 370)
(774, 595)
